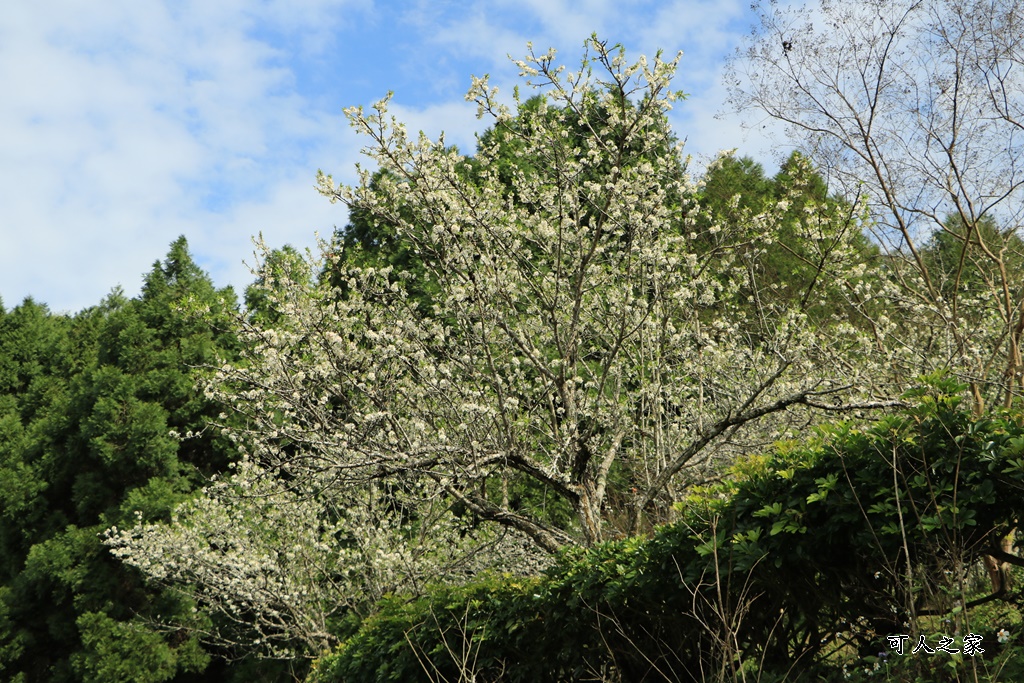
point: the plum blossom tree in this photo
(574, 356)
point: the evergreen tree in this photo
(87, 409)
(817, 231)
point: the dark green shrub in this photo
(799, 561)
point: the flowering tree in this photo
(578, 342)
(917, 107)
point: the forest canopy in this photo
(564, 370)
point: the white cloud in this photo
(127, 123)
(457, 120)
(707, 31)
(292, 213)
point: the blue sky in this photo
(129, 122)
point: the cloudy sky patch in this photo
(129, 122)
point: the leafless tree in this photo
(915, 108)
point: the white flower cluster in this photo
(580, 347)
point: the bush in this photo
(800, 561)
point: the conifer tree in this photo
(87, 407)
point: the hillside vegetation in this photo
(562, 408)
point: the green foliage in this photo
(87, 406)
(122, 651)
(282, 265)
(504, 151)
(795, 270)
(966, 262)
(799, 561)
